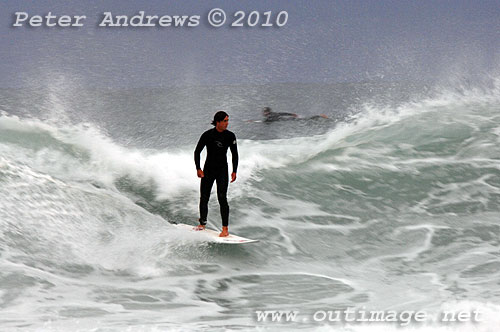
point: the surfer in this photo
(270, 116)
(217, 140)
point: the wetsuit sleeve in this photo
(234, 153)
(199, 147)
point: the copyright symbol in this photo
(216, 17)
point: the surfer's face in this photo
(222, 125)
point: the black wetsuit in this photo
(215, 169)
(276, 116)
(282, 116)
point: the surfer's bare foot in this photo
(199, 228)
(224, 232)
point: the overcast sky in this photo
(323, 41)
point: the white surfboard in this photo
(213, 236)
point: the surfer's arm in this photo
(234, 154)
(197, 152)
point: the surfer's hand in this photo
(200, 173)
(233, 177)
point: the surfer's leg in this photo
(222, 183)
(205, 188)
(318, 117)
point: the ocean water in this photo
(392, 204)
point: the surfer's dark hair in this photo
(218, 117)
